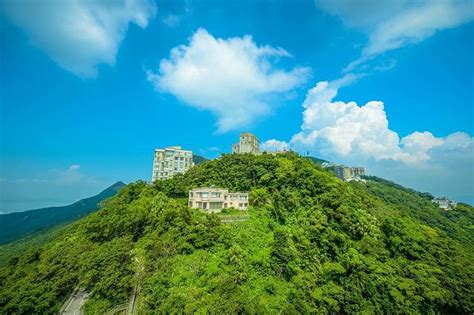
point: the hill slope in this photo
(312, 244)
(18, 224)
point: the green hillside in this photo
(312, 244)
(18, 224)
(14, 249)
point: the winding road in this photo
(74, 307)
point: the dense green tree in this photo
(312, 244)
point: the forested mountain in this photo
(316, 160)
(197, 159)
(18, 224)
(312, 244)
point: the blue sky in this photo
(89, 89)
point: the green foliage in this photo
(312, 244)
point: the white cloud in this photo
(274, 145)
(172, 20)
(396, 23)
(79, 34)
(74, 167)
(342, 130)
(233, 78)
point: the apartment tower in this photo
(171, 161)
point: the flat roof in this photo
(216, 189)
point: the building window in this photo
(241, 205)
(215, 194)
(204, 194)
(215, 205)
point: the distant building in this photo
(215, 199)
(248, 143)
(358, 171)
(171, 161)
(445, 203)
(343, 172)
(347, 173)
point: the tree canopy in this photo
(312, 244)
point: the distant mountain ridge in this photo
(19, 224)
(197, 159)
(316, 160)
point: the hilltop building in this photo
(248, 143)
(445, 203)
(357, 171)
(171, 161)
(347, 173)
(343, 172)
(215, 199)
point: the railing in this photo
(233, 218)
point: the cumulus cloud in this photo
(274, 145)
(233, 78)
(338, 130)
(396, 23)
(345, 132)
(79, 34)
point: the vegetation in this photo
(312, 244)
(316, 160)
(17, 248)
(19, 224)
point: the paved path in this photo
(74, 306)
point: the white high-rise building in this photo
(347, 173)
(171, 161)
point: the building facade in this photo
(215, 199)
(171, 161)
(343, 172)
(358, 171)
(444, 203)
(248, 143)
(347, 173)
